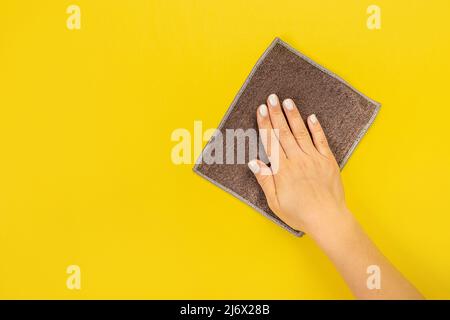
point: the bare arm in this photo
(303, 187)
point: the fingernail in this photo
(253, 165)
(313, 119)
(263, 110)
(288, 104)
(273, 100)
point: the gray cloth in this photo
(344, 113)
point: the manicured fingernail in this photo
(313, 119)
(263, 110)
(273, 100)
(288, 104)
(253, 165)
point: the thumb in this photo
(265, 179)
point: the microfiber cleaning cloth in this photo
(344, 113)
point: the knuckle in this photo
(301, 134)
(264, 181)
(318, 131)
(284, 131)
(323, 141)
(329, 162)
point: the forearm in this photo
(306, 192)
(352, 252)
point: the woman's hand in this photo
(305, 188)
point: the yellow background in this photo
(86, 176)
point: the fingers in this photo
(298, 127)
(266, 181)
(292, 137)
(318, 135)
(269, 140)
(279, 122)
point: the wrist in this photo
(337, 225)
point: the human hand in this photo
(305, 189)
